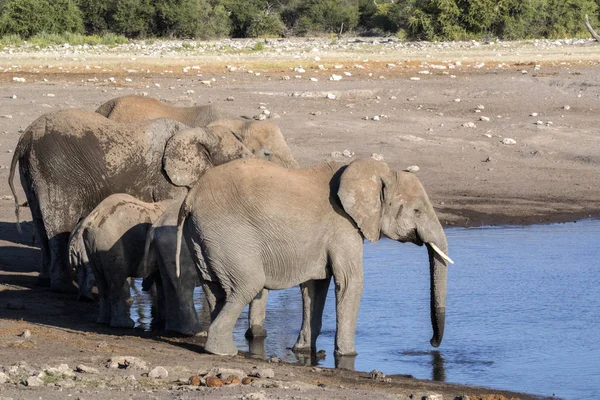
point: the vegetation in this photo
(407, 19)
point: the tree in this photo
(29, 17)
(132, 18)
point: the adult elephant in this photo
(142, 108)
(70, 160)
(251, 225)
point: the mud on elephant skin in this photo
(251, 225)
(141, 108)
(70, 160)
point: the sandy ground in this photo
(450, 122)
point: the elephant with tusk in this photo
(251, 225)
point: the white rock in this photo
(225, 372)
(14, 97)
(26, 334)
(127, 362)
(33, 381)
(480, 107)
(62, 369)
(413, 169)
(375, 118)
(331, 96)
(299, 70)
(424, 72)
(230, 98)
(335, 77)
(347, 73)
(3, 378)
(509, 141)
(539, 122)
(533, 114)
(415, 78)
(469, 125)
(433, 396)
(86, 370)
(485, 119)
(377, 157)
(264, 373)
(7, 116)
(50, 95)
(207, 83)
(314, 80)
(190, 91)
(15, 79)
(158, 373)
(347, 153)
(566, 107)
(457, 100)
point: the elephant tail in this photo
(80, 262)
(20, 150)
(183, 214)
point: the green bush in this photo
(96, 14)
(28, 17)
(183, 18)
(132, 18)
(327, 16)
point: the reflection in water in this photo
(510, 322)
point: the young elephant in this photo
(112, 238)
(250, 224)
(141, 108)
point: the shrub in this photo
(28, 17)
(327, 15)
(95, 13)
(132, 18)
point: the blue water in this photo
(523, 311)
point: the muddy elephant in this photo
(251, 225)
(112, 239)
(141, 108)
(70, 160)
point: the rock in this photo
(264, 373)
(15, 79)
(415, 78)
(299, 70)
(195, 380)
(255, 396)
(3, 378)
(377, 375)
(61, 370)
(314, 80)
(481, 107)
(347, 153)
(86, 370)
(413, 169)
(566, 107)
(509, 141)
(331, 96)
(375, 118)
(225, 372)
(247, 380)
(377, 157)
(230, 98)
(33, 381)
(260, 117)
(433, 396)
(533, 114)
(485, 119)
(231, 380)
(7, 116)
(158, 373)
(126, 362)
(315, 113)
(26, 334)
(469, 125)
(539, 122)
(335, 77)
(212, 381)
(275, 360)
(335, 154)
(130, 378)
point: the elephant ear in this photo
(186, 156)
(360, 192)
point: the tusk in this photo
(440, 253)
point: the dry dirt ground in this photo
(450, 122)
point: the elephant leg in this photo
(104, 301)
(314, 294)
(215, 297)
(159, 305)
(119, 309)
(220, 334)
(180, 313)
(348, 292)
(256, 316)
(61, 277)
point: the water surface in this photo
(523, 311)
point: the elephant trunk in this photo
(439, 272)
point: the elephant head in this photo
(263, 138)
(189, 153)
(394, 204)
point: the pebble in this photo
(314, 80)
(126, 362)
(231, 380)
(481, 107)
(3, 378)
(33, 381)
(533, 114)
(377, 375)
(130, 378)
(86, 370)
(433, 396)
(265, 373)
(224, 372)
(347, 153)
(335, 77)
(299, 70)
(566, 107)
(331, 96)
(26, 334)
(247, 380)
(375, 118)
(8, 116)
(509, 141)
(230, 98)
(469, 125)
(415, 78)
(377, 157)
(485, 119)
(158, 373)
(539, 122)
(275, 360)
(413, 169)
(195, 380)
(14, 96)
(212, 381)
(15, 79)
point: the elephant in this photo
(111, 238)
(250, 224)
(264, 140)
(141, 108)
(71, 160)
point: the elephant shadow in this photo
(19, 255)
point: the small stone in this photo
(7, 116)
(331, 96)
(14, 97)
(393, 98)
(533, 114)
(375, 118)
(26, 334)
(415, 78)
(481, 107)
(231, 380)
(285, 78)
(62, 369)
(488, 159)
(264, 373)
(50, 95)
(260, 117)
(212, 381)
(207, 83)
(158, 373)
(509, 141)
(275, 360)
(126, 362)
(377, 157)
(377, 375)
(299, 70)
(315, 113)
(247, 380)
(433, 396)
(191, 91)
(485, 119)
(18, 79)
(230, 98)
(335, 77)
(469, 125)
(566, 107)
(413, 169)
(130, 378)
(347, 153)
(539, 122)
(86, 370)
(195, 380)
(335, 154)
(457, 100)
(3, 378)
(33, 381)
(314, 80)
(224, 372)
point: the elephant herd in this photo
(115, 194)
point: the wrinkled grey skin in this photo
(251, 225)
(70, 160)
(140, 108)
(265, 140)
(112, 239)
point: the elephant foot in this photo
(256, 331)
(220, 346)
(63, 287)
(351, 352)
(122, 323)
(302, 347)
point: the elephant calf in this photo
(112, 238)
